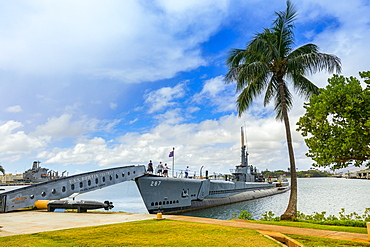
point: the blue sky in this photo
(88, 85)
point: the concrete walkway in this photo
(27, 222)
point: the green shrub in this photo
(352, 219)
(245, 215)
(269, 216)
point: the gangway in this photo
(66, 186)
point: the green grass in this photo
(170, 233)
(362, 230)
(144, 233)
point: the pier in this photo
(66, 186)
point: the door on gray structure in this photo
(2, 203)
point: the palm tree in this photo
(2, 170)
(267, 64)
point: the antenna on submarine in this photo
(244, 161)
(246, 141)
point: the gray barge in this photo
(175, 195)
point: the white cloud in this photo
(133, 121)
(212, 87)
(16, 108)
(170, 117)
(192, 109)
(347, 39)
(66, 126)
(16, 142)
(163, 97)
(85, 152)
(127, 40)
(212, 143)
(218, 94)
(60, 127)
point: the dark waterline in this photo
(314, 195)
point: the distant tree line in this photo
(300, 174)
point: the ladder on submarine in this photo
(66, 186)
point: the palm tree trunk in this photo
(291, 210)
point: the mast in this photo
(244, 161)
(173, 162)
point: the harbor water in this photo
(314, 195)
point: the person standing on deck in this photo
(187, 170)
(165, 170)
(150, 167)
(160, 168)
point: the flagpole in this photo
(173, 162)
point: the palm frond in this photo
(263, 47)
(245, 99)
(271, 91)
(304, 87)
(283, 29)
(304, 49)
(232, 75)
(236, 57)
(314, 62)
(256, 72)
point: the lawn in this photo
(167, 233)
(144, 233)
